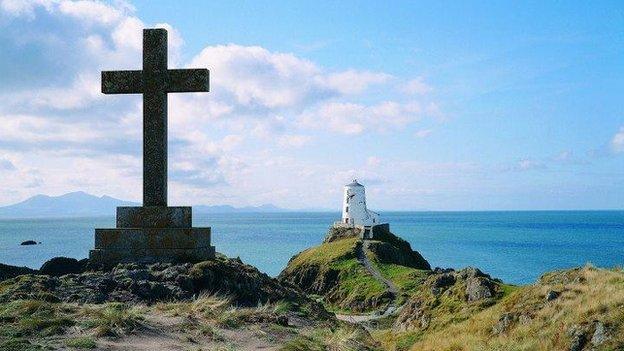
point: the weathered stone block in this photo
(151, 238)
(108, 257)
(154, 217)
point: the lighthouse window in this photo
(347, 209)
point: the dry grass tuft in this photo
(525, 320)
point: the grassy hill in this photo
(334, 271)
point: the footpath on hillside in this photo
(368, 265)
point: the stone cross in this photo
(154, 82)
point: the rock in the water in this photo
(8, 272)
(28, 242)
(60, 266)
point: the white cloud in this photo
(23, 7)
(35, 129)
(230, 142)
(255, 77)
(90, 11)
(417, 87)
(617, 143)
(354, 82)
(351, 118)
(128, 34)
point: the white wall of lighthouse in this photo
(354, 211)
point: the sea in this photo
(516, 247)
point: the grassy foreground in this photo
(206, 323)
(578, 309)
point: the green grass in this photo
(340, 339)
(114, 319)
(83, 342)
(356, 284)
(18, 345)
(407, 279)
(326, 253)
(22, 318)
(507, 289)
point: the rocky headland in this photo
(391, 290)
(345, 294)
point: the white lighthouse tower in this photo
(354, 211)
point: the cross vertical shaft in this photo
(155, 118)
(154, 82)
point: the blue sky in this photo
(440, 105)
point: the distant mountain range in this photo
(81, 204)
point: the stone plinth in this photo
(111, 257)
(152, 234)
(154, 217)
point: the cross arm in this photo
(122, 82)
(188, 80)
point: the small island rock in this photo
(28, 242)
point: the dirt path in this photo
(361, 256)
(392, 308)
(168, 334)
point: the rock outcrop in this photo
(387, 252)
(59, 266)
(138, 283)
(337, 233)
(462, 293)
(8, 272)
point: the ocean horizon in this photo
(515, 246)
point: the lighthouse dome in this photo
(354, 183)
